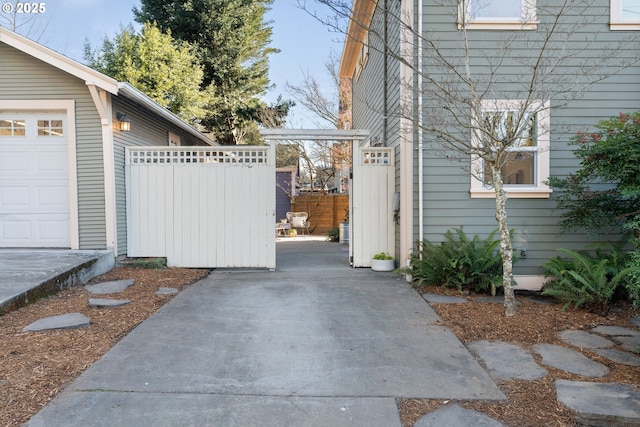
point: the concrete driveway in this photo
(314, 343)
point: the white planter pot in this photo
(383, 264)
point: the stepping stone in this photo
(166, 291)
(600, 404)
(620, 357)
(455, 416)
(443, 299)
(506, 360)
(570, 360)
(63, 321)
(616, 331)
(107, 303)
(110, 287)
(636, 321)
(584, 339)
(629, 343)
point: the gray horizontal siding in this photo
(23, 77)
(147, 129)
(447, 202)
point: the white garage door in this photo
(34, 180)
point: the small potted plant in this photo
(382, 262)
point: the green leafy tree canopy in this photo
(167, 71)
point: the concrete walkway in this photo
(27, 274)
(314, 343)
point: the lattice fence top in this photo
(189, 155)
(377, 156)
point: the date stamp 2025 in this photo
(24, 8)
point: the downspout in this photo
(420, 124)
(102, 103)
(407, 75)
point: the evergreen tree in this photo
(232, 41)
(167, 71)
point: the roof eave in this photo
(58, 60)
(128, 91)
(359, 22)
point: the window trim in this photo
(539, 190)
(616, 23)
(528, 22)
(174, 140)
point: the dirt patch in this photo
(37, 365)
(530, 402)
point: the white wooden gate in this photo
(207, 207)
(371, 204)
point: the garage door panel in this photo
(13, 197)
(35, 231)
(13, 163)
(52, 199)
(15, 230)
(32, 198)
(51, 163)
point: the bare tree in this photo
(467, 82)
(25, 18)
(324, 102)
(324, 162)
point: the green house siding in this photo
(372, 109)
(447, 202)
(147, 129)
(23, 77)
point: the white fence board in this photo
(202, 207)
(371, 217)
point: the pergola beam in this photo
(315, 134)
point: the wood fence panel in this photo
(326, 211)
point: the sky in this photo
(304, 43)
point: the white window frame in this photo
(174, 140)
(616, 22)
(539, 189)
(528, 20)
(364, 56)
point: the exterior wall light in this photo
(124, 124)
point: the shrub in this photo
(382, 256)
(583, 280)
(459, 262)
(333, 235)
(146, 263)
(632, 284)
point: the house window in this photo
(527, 161)
(364, 56)
(10, 127)
(625, 15)
(497, 14)
(50, 128)
(174, 140)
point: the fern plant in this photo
(584, 281)
(460, 262)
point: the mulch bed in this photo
(36, 366)
(530, 402)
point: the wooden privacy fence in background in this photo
(325, 211)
